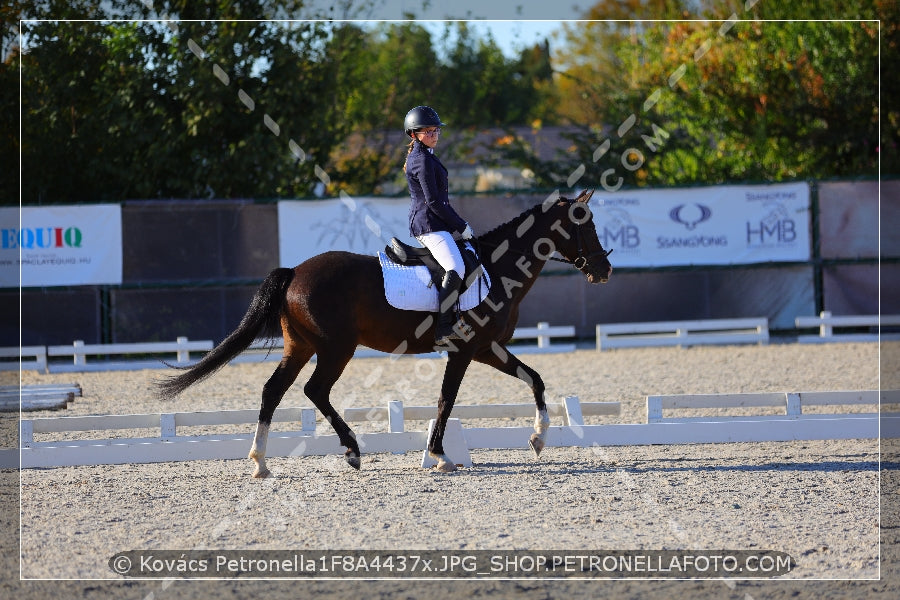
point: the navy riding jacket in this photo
(430, 209)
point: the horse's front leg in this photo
(504, 361)
(453, 376)
(538, 439)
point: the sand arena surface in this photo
(818, 501)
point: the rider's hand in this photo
(467, 233)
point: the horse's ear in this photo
(584, 196)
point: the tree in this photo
(769, 101)
(220, 101)
(397, 66)
(719, 101)
(115, 110)
(383, 71)
(889, 144)
(603, 56)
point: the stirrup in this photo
(462, 330)
(459, 331)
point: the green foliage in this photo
(743, 100)
(117, 110)
(221, 101)
(202, 106)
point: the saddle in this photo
(410, 256)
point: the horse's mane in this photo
(516, 221)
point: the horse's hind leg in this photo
(501, 359)
(273, 392)
(329, 366)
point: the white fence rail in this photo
(456, 442)
(770, 427)
(683, 333)
(544, 333)
(827, 323)
(79, 351)
(612, 335)
(571, 410)
(37, 358)
(28, 358)
(165, 443)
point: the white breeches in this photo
(444, 250)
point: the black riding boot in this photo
(447, 298)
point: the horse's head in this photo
(580, 244)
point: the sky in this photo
(473, 9)
(510, 36)
(514, 24)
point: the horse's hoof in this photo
(444, 464)
(352, 459)
(261, 473)
(537, 444)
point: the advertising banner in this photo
(61, 245)
(718, 225)
(361, 225)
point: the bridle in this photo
(579, 262)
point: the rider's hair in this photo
(409, 148)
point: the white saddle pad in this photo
(407, 288)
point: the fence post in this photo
(654, 409)
(455, 446)
(308, 419)
(573, 411)
(183, 354)
(27, 434)
(167, 425)
(543, 340)
(825, 329)
(395, 416)
(78, 355)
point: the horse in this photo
(331, 303)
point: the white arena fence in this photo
(38, 358)
(683, 333)
(165, 444)
(27, 358)
(615, 335)
(831, 327)
(790, 407)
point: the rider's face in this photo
(429, 136)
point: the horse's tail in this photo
(262, 320)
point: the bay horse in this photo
(334, 301)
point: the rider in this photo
(432, 221)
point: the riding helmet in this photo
(420, 117)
